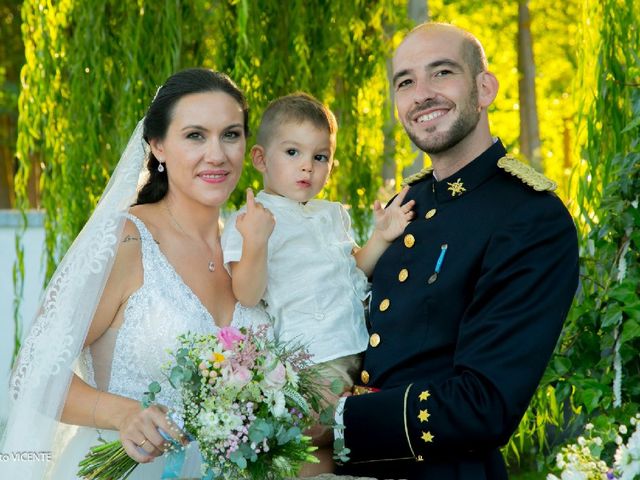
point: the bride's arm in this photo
(88, 406)
(137, 426)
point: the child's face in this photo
(297, 161)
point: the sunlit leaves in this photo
(334, 50)
(553, 29)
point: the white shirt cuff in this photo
(338, 433)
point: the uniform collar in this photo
(471, 176)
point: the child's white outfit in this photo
(314, 292)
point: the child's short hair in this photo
(297, 107)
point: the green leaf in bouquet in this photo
(260, 430)
(182, 353)
(149, 396)
(297, 399)
(187, 375)
(248, 452)
(327, 416)
(340, 452)
(147, 399)
(237, 458)
(175, 378)
(337, 387)
(285, 435)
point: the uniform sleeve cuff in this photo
(370, 435)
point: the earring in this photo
(160, 167)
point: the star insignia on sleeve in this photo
(427, 437)
(424, 415)
(425, 395)
(456, 188)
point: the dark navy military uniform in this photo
(466, 309)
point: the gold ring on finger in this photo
(145, 441)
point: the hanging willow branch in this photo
(91, 69)
(335, 50)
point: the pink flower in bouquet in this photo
(228, 336)
(276, 377)
(239, 376)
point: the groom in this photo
(468, 304)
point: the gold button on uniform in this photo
(364, 376)
(430, 214)
(374, 340)
(384, 304)
(403, 275)
(409, 240)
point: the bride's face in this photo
(204, 147)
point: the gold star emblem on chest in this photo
(424, 415)
(427, 437)
(424, 395)
(456, 188)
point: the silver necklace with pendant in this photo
(211, 266)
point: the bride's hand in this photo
(139, 433)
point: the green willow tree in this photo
(598, 357)
(594, 374)
(90, 70)
(553, 28)
(11, 53)
(335, 50)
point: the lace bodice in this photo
(163, 308)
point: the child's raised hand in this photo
(390, 222)
(256, 224)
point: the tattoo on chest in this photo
(131, 238)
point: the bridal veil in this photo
(50, 352)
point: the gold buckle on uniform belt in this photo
(362, 390)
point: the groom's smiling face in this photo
(435, 91)
(204, 147)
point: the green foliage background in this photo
(597, 366)
(92, 67)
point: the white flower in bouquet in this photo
(276, 377)
(292, 375)
(276, 401)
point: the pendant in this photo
(211, 266)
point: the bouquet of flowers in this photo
(245, 398)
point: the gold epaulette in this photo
(417, 176)
(527, 175)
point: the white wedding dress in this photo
(126, 360)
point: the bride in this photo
(134, 279)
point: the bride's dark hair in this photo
(158, 117)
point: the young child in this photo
(296, 253)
